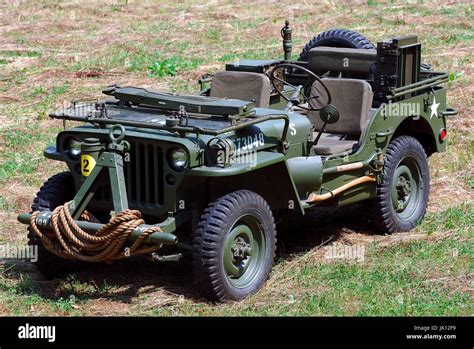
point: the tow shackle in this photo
(116, 136)
(117, 139)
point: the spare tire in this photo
(336, 38)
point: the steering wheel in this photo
(312, 77)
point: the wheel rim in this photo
(244, 251)
(407, 188)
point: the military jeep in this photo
(174, 175)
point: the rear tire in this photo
(234, 246)
(403, 193)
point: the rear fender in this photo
(422, 117)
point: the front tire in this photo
(403, 193)
(234, 246)
(55, 191)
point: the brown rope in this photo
(106, 244)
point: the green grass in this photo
(459, 37)
(419, 278)
(140, 58)
(18, 165)
(395, 281)
(170, 66)
(22, 297)
(460, 218)
(20, 53)
(214, 34)
(17, 159)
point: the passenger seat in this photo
(242, 85)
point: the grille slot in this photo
(144, 175)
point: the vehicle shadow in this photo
(125, 280)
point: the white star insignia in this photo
(434, 108)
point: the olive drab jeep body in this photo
(203, 175)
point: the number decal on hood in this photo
(249, 142)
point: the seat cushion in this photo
(331, 143)
(242, 85)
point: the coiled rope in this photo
(107, 244)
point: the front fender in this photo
(268, 175)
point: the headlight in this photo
(73, 146)
(220, 152)
(178, 158)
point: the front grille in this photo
(144, 175)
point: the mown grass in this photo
(55, 52)
(414, 278)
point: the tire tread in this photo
(208, 236)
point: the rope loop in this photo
(107, 244)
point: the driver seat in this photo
(242, 85)
(353, 99)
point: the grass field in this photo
(52, 52)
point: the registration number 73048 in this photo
(249, 142)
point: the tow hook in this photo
(155, 257)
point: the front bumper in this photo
(165, 237)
